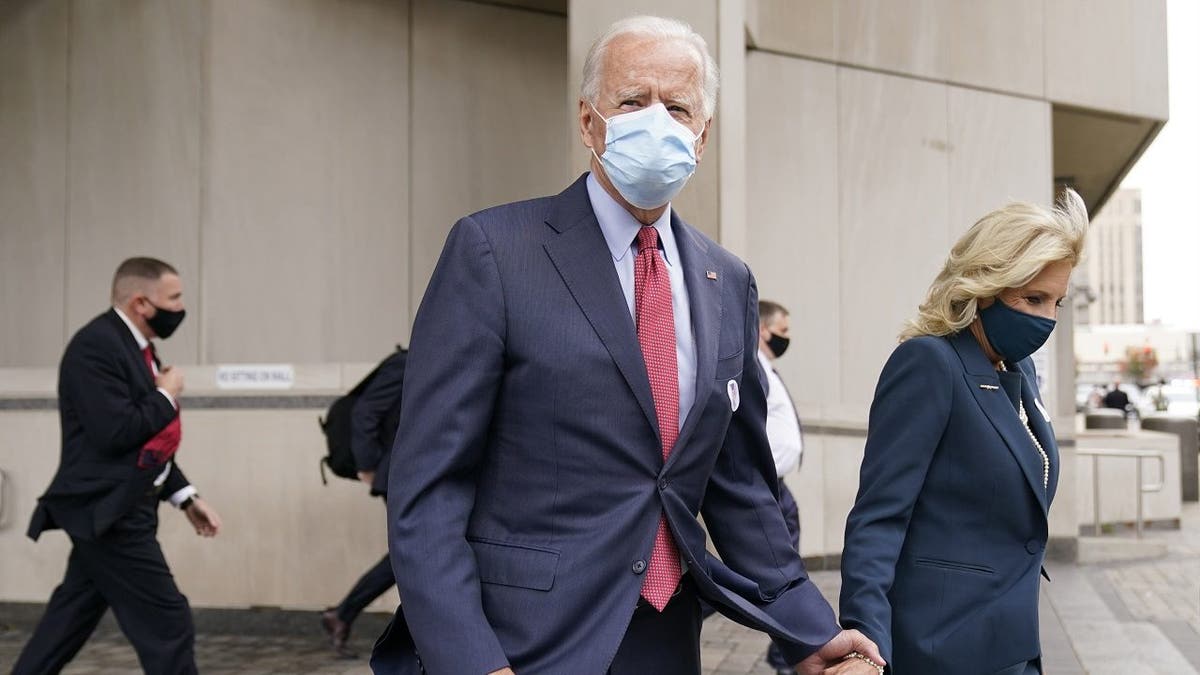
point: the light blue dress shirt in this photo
(620, 230)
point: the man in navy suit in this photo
(119, 410)
(583, 383)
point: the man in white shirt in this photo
(783, 427)
(119, 412)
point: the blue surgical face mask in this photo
(1013, 334)
(648, 155)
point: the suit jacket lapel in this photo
(1041, 427)
(704, 297)
(582, 259)
(131, 348)
(999, 411)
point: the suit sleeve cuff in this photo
(170, 398)
(181, 495)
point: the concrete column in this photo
(731, 109)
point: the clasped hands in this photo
(832, 658)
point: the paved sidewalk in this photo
(1133, 618)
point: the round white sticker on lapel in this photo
(735, 398)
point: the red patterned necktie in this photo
(160, 449)
(656, 335)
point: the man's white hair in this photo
(657, 27)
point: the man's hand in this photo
(367, 477)
(830, 656)
(170, 379)
(203, 518)
(503, 671)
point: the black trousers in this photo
(663, 643)
(125, 570)
(372, 584)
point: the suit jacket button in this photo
(1033, 546)
(639, 566)
(662, 484)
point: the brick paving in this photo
(1128, 618)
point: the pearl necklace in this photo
(1037, 444)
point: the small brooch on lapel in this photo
(711, 275)
(735, 397)
(989, 387)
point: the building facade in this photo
(1111, 274)
(301, 161)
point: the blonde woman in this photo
(947, 535)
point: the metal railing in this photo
(1142, 488)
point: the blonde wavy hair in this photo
(1005, 249)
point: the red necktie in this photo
(160, 449)
(656, 335)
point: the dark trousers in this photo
(791, 516)
(374, 583)
(124, 569)
(663, 643)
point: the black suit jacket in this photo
(374, 419)
(1116, 399)
(108, 407)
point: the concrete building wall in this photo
(301, 164)
(301, 161)
(33, 153)
(850, 216)
(1105, 54)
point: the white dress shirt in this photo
(783, 425)
(142, 342)
(620, 230)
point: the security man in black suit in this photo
(373, 423)
(119, 412)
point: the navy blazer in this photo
(533, 480)
(947, 536)
(109, 408)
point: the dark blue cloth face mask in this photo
(1014, 334)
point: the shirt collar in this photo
(765, 362)
(142, 342)
(620, 228)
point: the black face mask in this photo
(778, 344)
(165, 321)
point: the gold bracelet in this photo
(863, 657)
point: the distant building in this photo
(1112, 268)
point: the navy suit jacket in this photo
(109, 408)
(947, 536)
(533, 478)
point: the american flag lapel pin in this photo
(711, 275)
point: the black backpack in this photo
(336, 426)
